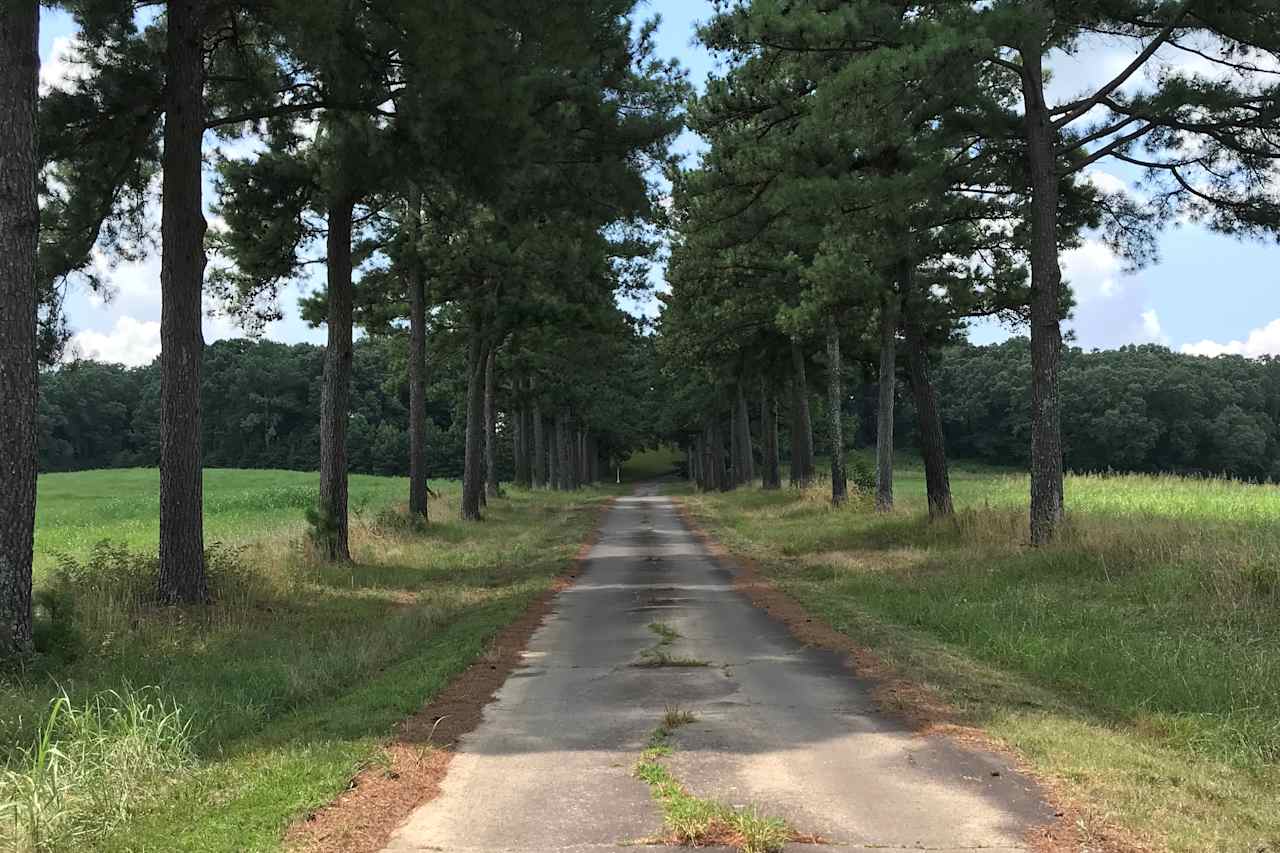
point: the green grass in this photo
(1136, 661)
(74, 511)
(651, 464)
(290, 690)
(697, 822)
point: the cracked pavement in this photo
(780, 726)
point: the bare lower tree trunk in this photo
(182, 578)
(1047, 504)
(884, 414)
(745, 462)
(336, 399)
(802, 462)
(539, 450)
(491, 426)
(418, 493)
(933, 449)
(553, 456)
(564, 447)
(723, 482)
(835, 406)
(527, 429)
(520, 441)
(771, 477)
(699, 461)
(709, 480)
(19, 227)
(473, 460)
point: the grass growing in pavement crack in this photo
(697, 822)
(658, 656)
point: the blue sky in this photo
(1207, 294)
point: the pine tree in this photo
(19, 226)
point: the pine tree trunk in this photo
(802, 462)
(884, 412)
(564, 446)
(772, 475)
(418, 494)
(527, 430)
(335, 406)
(19, 225)
(1046, 282)
(539, 450)
(520, 441)
(473, 460)
(735, 474)
(933, 449)
(182, 578)
(553, 455)
(491, 425)
(709, 481)
(835, 406)
(745, 462)
(723, 482)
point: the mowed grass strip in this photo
(291, 689)
(1136, 661)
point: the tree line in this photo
(1134, 409)
(479, 174)
(261, 397)
(878, 174)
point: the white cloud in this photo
(61, 66)
(130, 341)
(1151, 328)
(1262, 341)
(1106, 182)
(1092, 270)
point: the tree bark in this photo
(19, 233)
(473, 460)
(491, 489)
(723, 482)
(933, 449)
(527, 431)
(745, 463)
(335, 406)
(771, 476)
(835, 406)
(564, 464)
(884, 413)
(182, 578)
(418, 494)
(1046, 282)
(520, 440)
(553, 455)
(802, 462)
(539, 450)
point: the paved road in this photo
(781, 726)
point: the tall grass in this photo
(90, 768)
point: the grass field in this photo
(210, 731)
(77, 510)
(650, 464)
(1136, 662)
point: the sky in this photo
(1207, 294)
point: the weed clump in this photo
(113, 588)
(90, 768)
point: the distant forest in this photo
(1138, 408)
